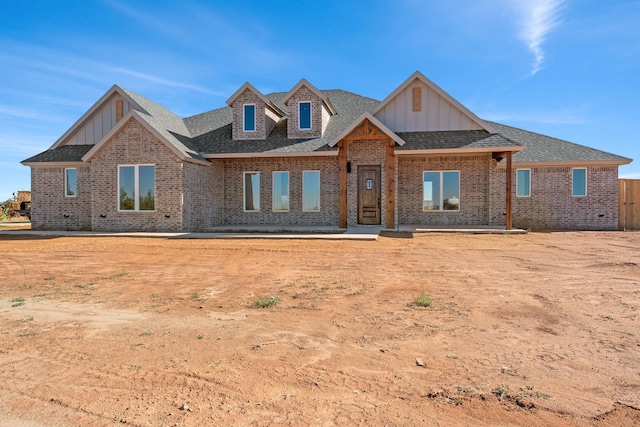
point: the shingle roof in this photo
(453, 139)
(542, 148)
(66, 153)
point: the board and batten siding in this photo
(101, 122)
(435, 113)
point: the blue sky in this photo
(568, 68)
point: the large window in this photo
(441, 191)
(137, 188)
(579, 182)
(251, 191)
(249, 118)
(523, 182)
(281, 191)
(311, 191)
(70, 182)
(304, 115)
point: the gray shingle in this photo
(453, 139)
(66, 153)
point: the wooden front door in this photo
(369, 195)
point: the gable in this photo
(419, 105)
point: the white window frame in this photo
(319, 187)
(586, 180)
(244, 192)
(310, 115)
(244, 122)
(517, 180)
(441, 172)
(136, 188)
(66, 177)
(273, 191)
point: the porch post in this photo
(342, 179)
(391, 183)
(508, 201)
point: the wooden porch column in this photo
(508, 197)
(342, 179)
(391, 184)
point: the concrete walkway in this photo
(278, 232)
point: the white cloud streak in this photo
(538, 19)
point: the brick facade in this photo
(318, 114)
(265, 118)
(474, 186)
(551, 205)
(134, 144)
(203, 191)
(50, 209)
(233, 191)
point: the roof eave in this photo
(54, 164)
(567, 163)
(271, 154)
(375, 121)
(497, 149)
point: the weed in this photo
(49, 278)
(422, 300)
(465, 389)
(200, 336)
(27, 320)
(28, 334)
(508, 370)
(17, 301)
(452, 356)
(501, 391)
(85, 285)
(266, 302)
(39, 295)
(196, 296)
(146, 334)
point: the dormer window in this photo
(249, 118)
(304, 115)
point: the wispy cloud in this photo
(538, 19)
(163, 81)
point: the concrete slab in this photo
(465, 229)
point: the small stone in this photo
(419, 362)
(201, 307)
(185, 407)
(383, 350)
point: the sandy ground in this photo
(540, 329)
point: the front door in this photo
(369, 195)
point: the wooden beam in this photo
(342, 180)
(417, 98)
(508, 223)
(391, 184)
(119, 109)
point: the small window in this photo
(249, 118)
(137, 188)
(304, 115)
(311, 191)
(281, 191)
(579, 182)
(523, 183)
(70, 183)
(251, 191)
(441, 191)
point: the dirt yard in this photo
(536, 330)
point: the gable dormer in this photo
(309, 111)
(254, 116)
(418, 104)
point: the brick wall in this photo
(304, 94)
(474, 190)
(134, 144)
(264, 122)
(551, 205)
(233, 196)
(203, 189)
(50, 209)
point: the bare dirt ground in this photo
(539, 329)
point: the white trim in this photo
(310, 115)
(319, 187)
(273, 191)
(517, 180)
(419, 76)
(457, 151)
(244, 122)
(271, 154)
(586, 193)
(441, 201)
(66, 177)
(576, 163)
(244, 192)
(55, 164)
(136, 188)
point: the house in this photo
(312, 157)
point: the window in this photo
(251, 191)
(70, 183)
(441, 191)
(249, 118)
(281, 191)
(137, 188)
(311, 191)
(523, 183)
(579, 182)
(304, 115)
